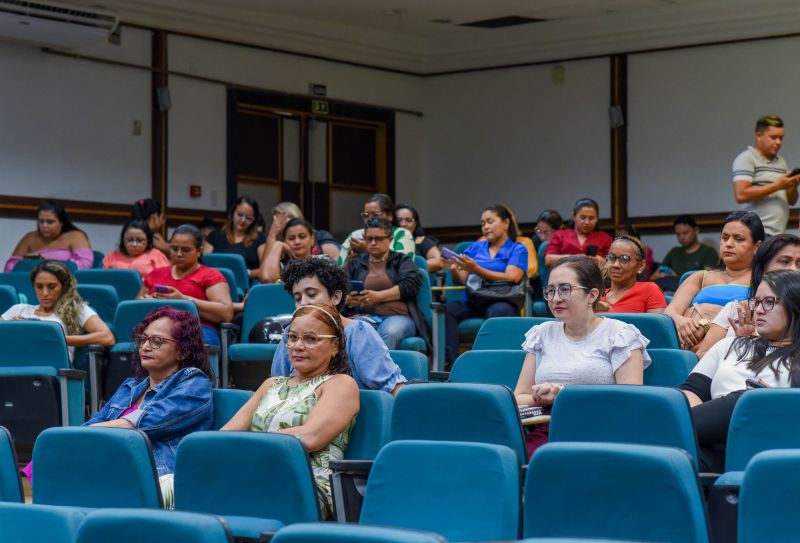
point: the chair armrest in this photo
(71, 373)
(230, 326)
(212, 349)
(266, 537)
(438, 375)
(351, 465)
(97, 349)
(708, 479)
(438, 335)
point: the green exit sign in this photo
(320, 107)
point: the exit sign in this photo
(320, 107)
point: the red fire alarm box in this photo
(195, 191)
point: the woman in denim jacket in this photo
(171, 393)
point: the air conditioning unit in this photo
(53, 24)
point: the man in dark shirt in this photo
(690, 255)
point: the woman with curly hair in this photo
(59, 301)
(318, 404)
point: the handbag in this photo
(484, 292)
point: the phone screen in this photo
(356, 286)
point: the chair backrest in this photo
(232, 261)
(544, 271)
(656, 327)
(21, 282)
(669, 367)
(458, 412)
(131, 312)
(496, 367)
(26, 265)
(588, 489)
(8, 297)
(95, 467)
(97, 263)
(33, 343)
(26, 523)
(769, 497)
(463, 491)
(205, 482)
(686, 276)
(421, 263)
(413, 364)
(137, 525)
(128, 283)
(101, 298)
(265, 301)
(10, 483)
(373, 424)
(461, 246)
(227, 402)
(642, 415)
(763, 419)
(328, 532)
(425, 297)
(505, 332)
(236, 292)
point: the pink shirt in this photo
(144, 263)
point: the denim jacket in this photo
(178, 406)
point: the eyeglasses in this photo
(135, 241)
(310, 339)
(543, 231)
(564, 291)
(375, 239)
(244, 218)
(623, 259)
(155, 341)
(767, 302)
(181, 249)
(372, 214)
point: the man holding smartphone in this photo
(761, 180)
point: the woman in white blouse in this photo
(770, 357)
(579, 347)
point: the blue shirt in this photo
(181, 404)
(370, 362)
(512, 253)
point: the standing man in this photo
(760, 178)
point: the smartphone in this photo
(753, 383)
(794, 172)
(161, 289)
(448, 254)
(356, 286)
(592, 250)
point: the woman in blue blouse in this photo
(496, 258)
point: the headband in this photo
(333, 320)
(639, 244)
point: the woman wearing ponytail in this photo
(771, 357)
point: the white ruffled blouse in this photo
(591, 360)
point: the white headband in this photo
(335, 322)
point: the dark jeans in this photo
(458, 311)
(711, 420)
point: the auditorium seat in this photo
(770, 498)
(26, 523)
(433, 314)
(227, 402)
(233, 262)
(505, 332)
(657, 327)
(669, 367)
(152, 526)
(319, 532)
(497, 367)
(8, 297)
(127, 283)
(10, 483)
(20, 281)
(413, 364)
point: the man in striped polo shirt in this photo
(760, 178)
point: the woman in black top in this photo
(427, 246)
(240, 235)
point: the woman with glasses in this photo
(57, 292)
(136, 250)
(170, 396)
(378, 205)
(584, 239)
(297, 241)
(317, 404)
(579, 347)
(703, 295)
(391, 282)
(548, 223)
(240, 235)
(624, 262)
(770, 357)
(780, 252)
(495, 258)
(427, 246)
(188, 279)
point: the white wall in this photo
(515, 137)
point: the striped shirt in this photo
(773, 209)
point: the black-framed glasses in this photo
(310, 339)
(564, 291)
(623, 259)
(767, 302)
(375, 239)
(155, 341)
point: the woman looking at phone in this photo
(498, 258)
(771, 357)
(188, 279)
(584, 239)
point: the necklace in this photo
(378, 260)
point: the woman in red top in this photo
(188, 279)
(584, 239)
(626, 260)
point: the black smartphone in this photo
(592, 250)
(753, 383)
(356, 285)
(794, 172)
